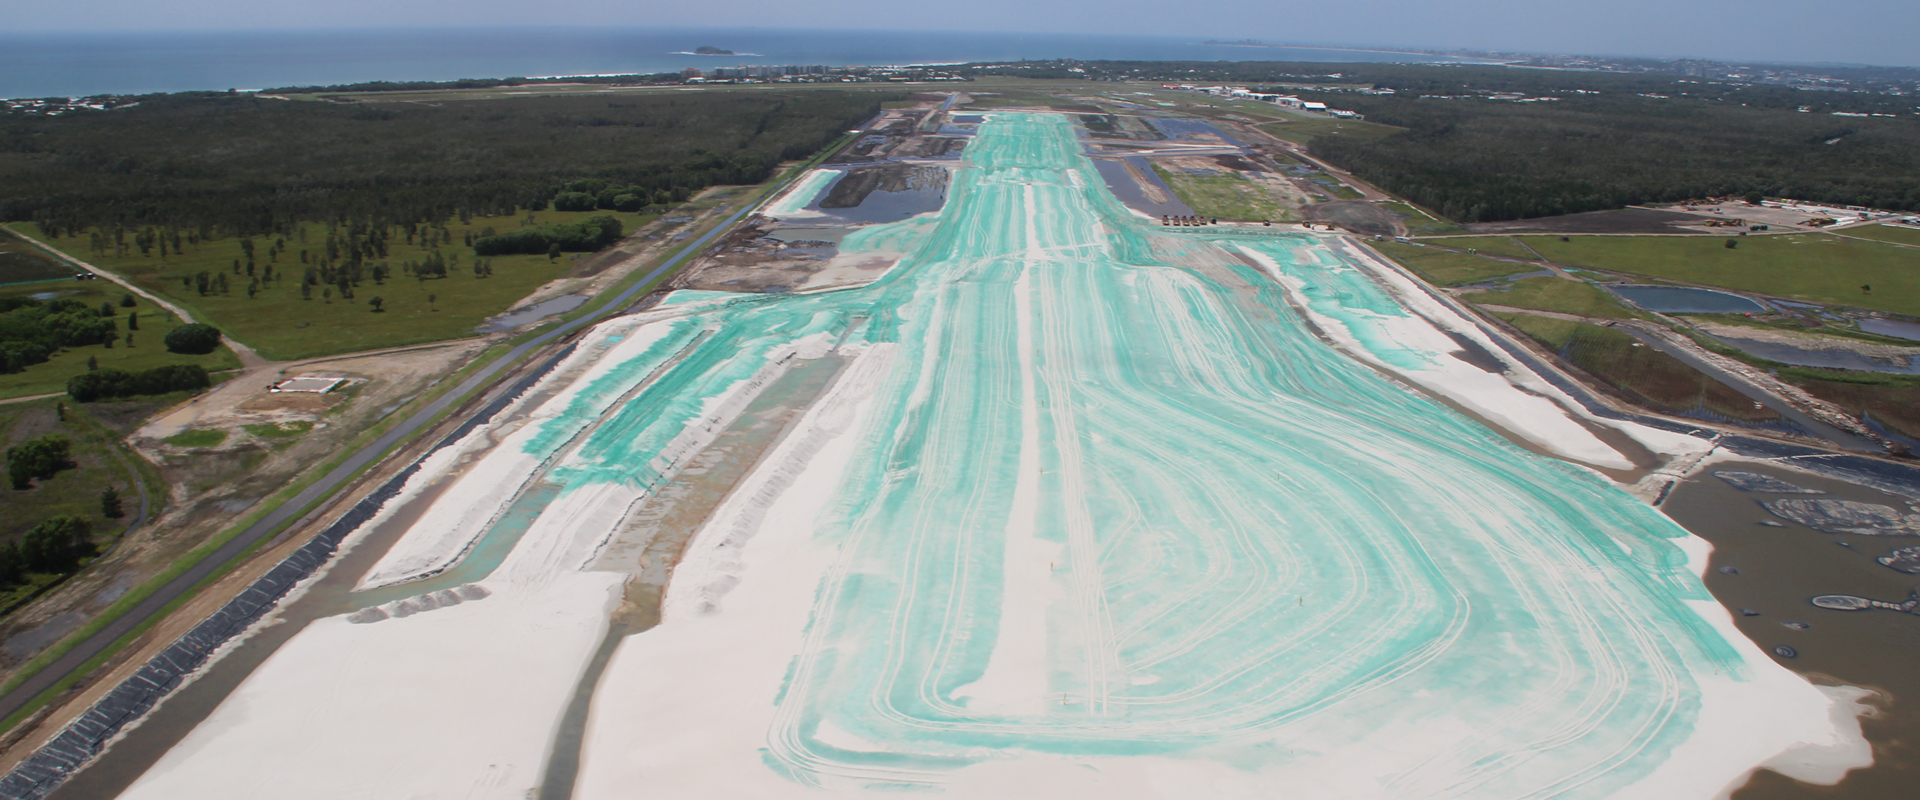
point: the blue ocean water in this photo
(68, 64)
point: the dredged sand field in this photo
(1089, 508)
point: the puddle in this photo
(1126, 186)
(1685, 299)
(537, 311)
(1892, 327)
(1828, 359)
(1190, 129)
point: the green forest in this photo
(186, 165)
(1478, 160)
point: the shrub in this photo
(87, 387)
(56, 545)
(574, 201)
(39, 457)
(193, 339)
(585, 236)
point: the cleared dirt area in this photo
(903, 133)
(269, 440)
(1623, 220)
(1355, 215)
(860, 183)
(766, 256)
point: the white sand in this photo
(1514, 400)
(455, 702)
(481, 492)
(461, 701)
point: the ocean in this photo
(74, 64)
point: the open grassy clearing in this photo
(146, 352)
(1886, 233)
(1488, 245)
(1226, 196)
(1446, 268)
(282, 325)
(1555, 294)
(1305, 129)
(1811, 266)
(99, 461)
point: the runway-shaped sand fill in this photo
(1088, 507)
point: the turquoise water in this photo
(1247, 535)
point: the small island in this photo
(710, 50)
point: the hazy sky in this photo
(1864, 31)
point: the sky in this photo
(1884, 32)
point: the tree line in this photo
(196, 165)
(107, 384)
(1478, 160)
(553, 238)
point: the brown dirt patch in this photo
(1623, 220)
(1355, 215)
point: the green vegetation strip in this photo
(1555, 294)
(1448, 268)
(1489, 245)
(1885, 233)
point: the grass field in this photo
(1555, 294)
(1886, 233)
(1301, 131)
(70, 492)
(1445, 268)
(1418, 222)
(1811, 266)
(147, 351)
(282, 326)
(1227, 196)
(1489, 245)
